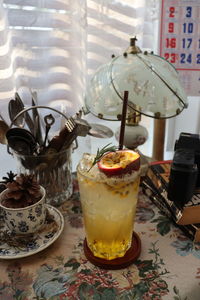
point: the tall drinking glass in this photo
(109, 206)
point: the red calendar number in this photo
(171, 27)
(170, 43)
(172, 12)
(171, 57)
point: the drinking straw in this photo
(123, 120)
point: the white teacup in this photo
(25, 220)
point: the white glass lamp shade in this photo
(151, 81)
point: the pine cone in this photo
(2, 187)
(24, 189)
(11, 176)
(29, 184)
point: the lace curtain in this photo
(54, 46)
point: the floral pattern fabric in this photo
(168, 267)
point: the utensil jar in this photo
(52, 170)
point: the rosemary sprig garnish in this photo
(101, 152)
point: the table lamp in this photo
(151, 81)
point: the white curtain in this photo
(51, 46)
(112, 23)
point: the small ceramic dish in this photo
(37, 242)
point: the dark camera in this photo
(185, 169)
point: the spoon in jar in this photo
(36, 119)
(26, 115)
(3, 130)
(13, 109)
(49, 121)
(100, 131)
(21, 141)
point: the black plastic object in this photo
(183, 177)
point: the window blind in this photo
(54, 46)
(46, 45)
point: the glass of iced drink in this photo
(109, 193)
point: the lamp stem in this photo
(159, 139)
(123, 120)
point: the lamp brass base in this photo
(118, 263)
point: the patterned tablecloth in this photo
(168, 267)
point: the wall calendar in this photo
(180, 40)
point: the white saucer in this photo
(41, 240)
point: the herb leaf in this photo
(101, 152)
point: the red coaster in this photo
(118, 263)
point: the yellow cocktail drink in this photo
(109, 205)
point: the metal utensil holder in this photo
(36, 107)
(53, 170)
(25, 110)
